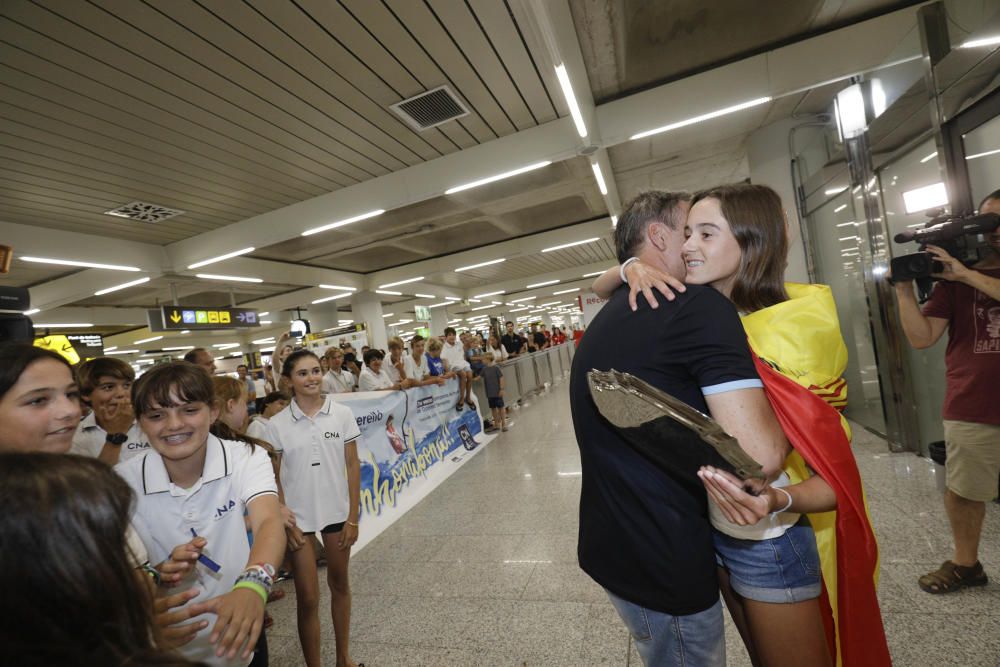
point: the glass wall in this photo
(836, 247)
(982, 156)
(917, 169)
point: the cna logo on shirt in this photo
(137, 445)
(224, 509)
(331, 434)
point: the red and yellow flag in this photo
(800, 357)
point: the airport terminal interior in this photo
(232, 180)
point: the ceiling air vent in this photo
(144, 212)
(431, 109)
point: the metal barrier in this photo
(528, 374)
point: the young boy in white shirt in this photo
(110, 432)
(337, 380)
(454, 353)
(374, 376)
(416, 366)
(271, 405)
(192, 490)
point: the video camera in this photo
(14, 326)
(947, 232)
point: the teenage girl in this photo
(316, 439)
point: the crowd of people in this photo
(149, 518)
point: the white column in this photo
(323, 316)
(770, 164)
(367, 308)
(439, 320)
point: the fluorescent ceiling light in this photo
(840, 208)
(72, 325)
(122, 286)
(237, 279)
(570, 245)
(483, 296)
(402, 282)
(228, 255)
(225, 346)
(332, 298)
(592, 274)
(187, 331)
(389, 292)
(566, 291)
(342, 288)
(453, 298)
(179, 347)
(534, 285)
(425, 296)
(109, 351)
(601, 185)
(848, 224)
(262, 322)
(396, 324)
(517, 310)
(443, 303)
(703, 117)
(146, 340)
(484, 307)
(834, 191)
(341, 223)
(985, 41)
(385, 315)
(614, 221)
(72, 262)
(344, 323)
(481, 264)
(929, 157)
(921, 199)
(848, 238)
(550, 303)
(262, 341)
(574, 108)
(32, 311)
(979, 155)
(498, 177)
(538, 310)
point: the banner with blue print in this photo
(410, 441)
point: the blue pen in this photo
(205, 560)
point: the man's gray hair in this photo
(652, 206)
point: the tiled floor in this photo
(483, 571)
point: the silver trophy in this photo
(668, 431)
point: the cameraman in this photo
(966, 303)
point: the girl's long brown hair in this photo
(230, 389)
(757, 219)
(71, 593)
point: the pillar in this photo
(439, 320)
(367, 309)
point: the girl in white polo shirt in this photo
(192, 490)
(321, 476)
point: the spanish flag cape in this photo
(800, 356)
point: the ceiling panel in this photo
(25, 274)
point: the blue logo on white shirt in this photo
(221, 511)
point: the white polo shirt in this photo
(392, 371)
(455, 356)
(257, 428)
(416, 370)
(313, 465)
(89, 439)
(338, 383)
(165, 514)
(369, 380)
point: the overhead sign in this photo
(74, 347)
(590, 304)
(200, 317)
(422, 313)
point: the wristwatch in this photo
(116, 438)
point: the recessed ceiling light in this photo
(73, 262)
(179, 347)
(592, 274)
(928, 157)
(840, 208)
(116, 351)
(401, 282)
(483, 296)
(237, 279)
(566, 291)
(525, 298)
(332, 298)
(484, 307)
(384, 315)
(146, 340)
(425, 296)
(498, 177)
(32, 311)
(340, 287)
(570, 245)
(547, 282)
(985, 41)
(516, 310)
(341, 223)
(550, 303)
(228, 255)
(481, 264)
(601, 185)
(389, 292)
(574, 108)
(225, 346)
(702, 117)
(834, 191)
(72, 325)
(133, 283)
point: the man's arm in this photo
(746, 414)
(955, 271)
(921, 331)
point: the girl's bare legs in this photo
(307, 602)
(773, 626)
(337, 578)
(734, 603)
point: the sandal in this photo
(951, 577)
(469, 402)
(458, 408)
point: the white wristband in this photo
(788, 505)
(621, 270)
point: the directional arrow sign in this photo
(205, 317)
